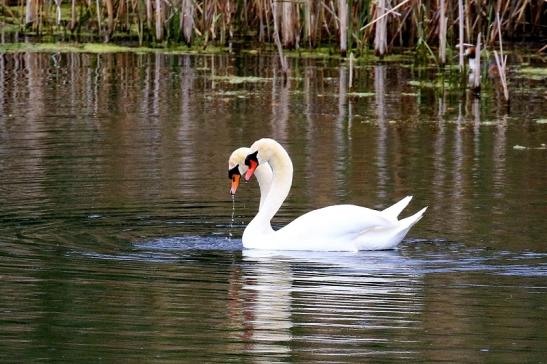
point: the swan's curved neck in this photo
(281, 167)
(282, 170)
(263, 174)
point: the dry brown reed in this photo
(442, 33)
(501, 61)
(344, 24)
(282, 58)
(460, 28)
(476, 84)
(380, 36)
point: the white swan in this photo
(332, 228)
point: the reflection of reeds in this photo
(340, 23)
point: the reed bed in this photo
(340, 24)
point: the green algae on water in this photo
(535, 73)
(63, 47)
(99, 48)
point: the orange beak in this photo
(235, 184)
(251, 170)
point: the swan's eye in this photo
(253, 157)
(234, 172)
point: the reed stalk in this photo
(159, 20)
(327, 22)
(288, 24)
(58, 12)
(307, 22)
(477, 74)
(460, 23)
(110, 18)
(343, 17)
(229, 23)
(391, 11)
(350, 84)
(139, 21)
(442, 33)
(467, 19)
(501, 61)
(72, 25)
(97, 9)
(187, 20)
(29, 12)
(380, 40)
(282, 58)
(261, 24)
(149, 14)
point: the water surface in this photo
(116, 239)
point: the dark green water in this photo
(116, 240)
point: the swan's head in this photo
(251, 161)
(237, 167)
(260, 152)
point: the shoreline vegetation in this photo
(439, 32)
(342, 26)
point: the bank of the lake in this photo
(343, 26)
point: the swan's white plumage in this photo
(332, 228)
(335, 228)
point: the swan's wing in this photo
(335, 222)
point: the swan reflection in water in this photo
(316, 303)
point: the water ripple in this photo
(183, 243)
(410, 259)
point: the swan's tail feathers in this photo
(387, 238)
(395, 209)
(411, 220)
